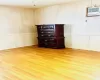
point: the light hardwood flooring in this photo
(33, 63)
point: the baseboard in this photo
(36, 46)
(19, 47)
(82, 49)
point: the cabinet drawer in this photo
(46, 35)
(48, 27)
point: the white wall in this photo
(16, 27)
(79, 34)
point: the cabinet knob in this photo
(41, 27)
(45, 40)
(49, 35)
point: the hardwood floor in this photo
(33, 63)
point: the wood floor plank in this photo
(33, 63)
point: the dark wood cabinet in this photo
(51, 36)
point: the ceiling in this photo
(30, 3)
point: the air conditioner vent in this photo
(93, 11)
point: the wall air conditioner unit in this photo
(93, 11)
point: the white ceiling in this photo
(30, 3)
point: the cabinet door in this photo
(53, 42)
(60, 42)
(40, 42)
(59, 30)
